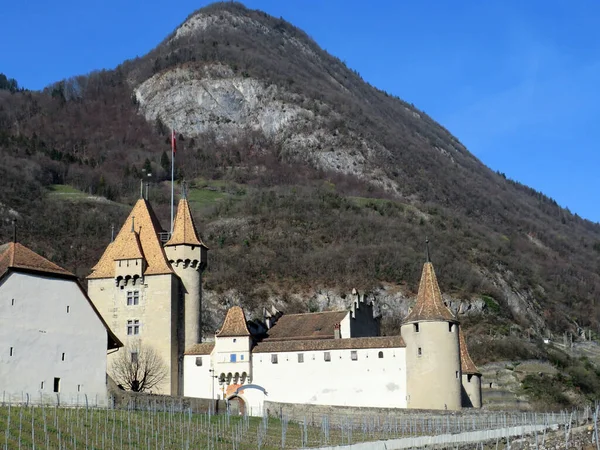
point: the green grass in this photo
(64, 191)
(204, 193)
(202, 198)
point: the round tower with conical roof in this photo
(188, 257)
(431, 334)
(471, 376)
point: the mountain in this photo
(306, 182)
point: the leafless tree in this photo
(138, 367)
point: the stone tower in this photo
(471, 377)
(432, 349)
(187, 255)
(149, 293)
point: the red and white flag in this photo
(173, 142)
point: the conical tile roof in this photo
(234, 324)
(466, 363)
(145, 242)
(184, 229)
(16, 256)
(429, 305)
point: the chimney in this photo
(336, 331)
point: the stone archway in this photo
(237, 406)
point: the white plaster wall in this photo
(39, 329)
(369, 381)
(224, 348)
(197, 379)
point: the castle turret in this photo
(188, 256)
(471, 377)
(129, 259)
(432, 349)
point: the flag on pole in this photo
(173, 142)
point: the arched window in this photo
(380, 355)
(229, 377)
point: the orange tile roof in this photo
(17, 256)
(306, 326)
(376, 342)
(205, 348)
(147, 228)
(466, 363)
(429, 305)
(234, 324)
(184, 229)
(130, 247)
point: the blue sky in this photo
(515, 81)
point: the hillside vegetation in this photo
(311, 179)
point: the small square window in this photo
(134, 357)
(300, 357)
(327, 356)
(354, 355)
(232, 357)
(419, 351)
(241, 357)
(198, 361)
(133, 327)
(274, 359)
(133, 298)
(380, 355)
(234, 340)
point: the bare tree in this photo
(138, 367)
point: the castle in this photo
(149, 290)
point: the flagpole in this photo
(172, 176)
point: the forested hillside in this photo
(303, 178)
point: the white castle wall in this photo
(50, 317)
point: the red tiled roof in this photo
(429, 305)
(184, 229)
(205, 348)
(234, 324)
(466, 363)
(17, 256)
(306, 326)
(376, 342)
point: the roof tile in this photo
(306, 326)
(147, 228)
(466, 363)
(184, 229)
(376, 342)
(429, 305)
(17, 256)
(234, 324)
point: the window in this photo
(56, 384)
(469, 378)
(133, 298)
(457, 374)
(134, 357)
(450, 327)
(419, 352)
(354, 355)
(11, 351)
(133, 327)
(68, 309)
(63, 357)
(300, 357)
(274, 359)
(380, 355)
(78, 388)
(42, 385)
(198, 361)
(327, 356)
(241, 357)
(13, 302)
(234, 340)
(416, 327)
(232, 357)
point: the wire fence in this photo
(25, 424)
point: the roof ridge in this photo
(318, 312)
